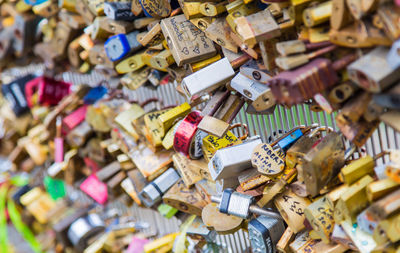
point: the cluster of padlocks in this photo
(310, 189)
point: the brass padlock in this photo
(292, 207)
(352, 201)
(323, 162)
(359, 168)
(187, 43)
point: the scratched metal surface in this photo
(268, 127)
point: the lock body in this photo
(153, 192)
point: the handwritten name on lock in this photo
(267, 160)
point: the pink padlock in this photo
(50, 91)
(96, 189)
(74, 119)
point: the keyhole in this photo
(256, 75)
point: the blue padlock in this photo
(94, 94)
(120, 45)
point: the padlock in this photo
(361, 72)
(185, 199)
(359, 168)
(150, 164)
(214, 126)
(187, 43)
(119, 45)
(264, 233)
(84, 228)
(74, 118)
(96, 7)
(191, 10)
(199, 230)
(113, 184)
(341, 92)
(73, 20)
(234, 159)
(125, 162)
(130, 63)
(191, 171)
(287, 237)
(24, 30)
(295, 154)
(153, 129)
(260, 95)
(320, 216)
(38, 203)
(213, 143)
(210, 78)
(83, 9)
(169, 118)
(152, 37)
(286, 48)
(119, 11)
(250, 179)
(159, 9)
(50, 91)
(124, 119)
(257, 27)
(357, 132)
(352, 201)
(241, 205)
(218, 31)
(380, 188)
(212, 9)
(115, 26)
(134, 80)
(316, 15)
(323, 162)
(193, 67)
(98, 56)
(268, 158)
(152, 193)
(291, 207)
(361, 34)
(163, 244)
(45, 9)
(289, 90)
(238, 9)
(98, 33)
(256, 71)
(385, 207)
(14, 92)
(291, 62)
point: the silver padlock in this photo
(83, 229)
(259, 94)
(199, 229)
(372, 72)
(153, 192)
(240, 205)
(229, 161)
(119, 11)
(264, 234)
(208, 79)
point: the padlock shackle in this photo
(236, 111)
(320, 129)
(148, 101)
(303, 128)
(236, 125)
(381, 154)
